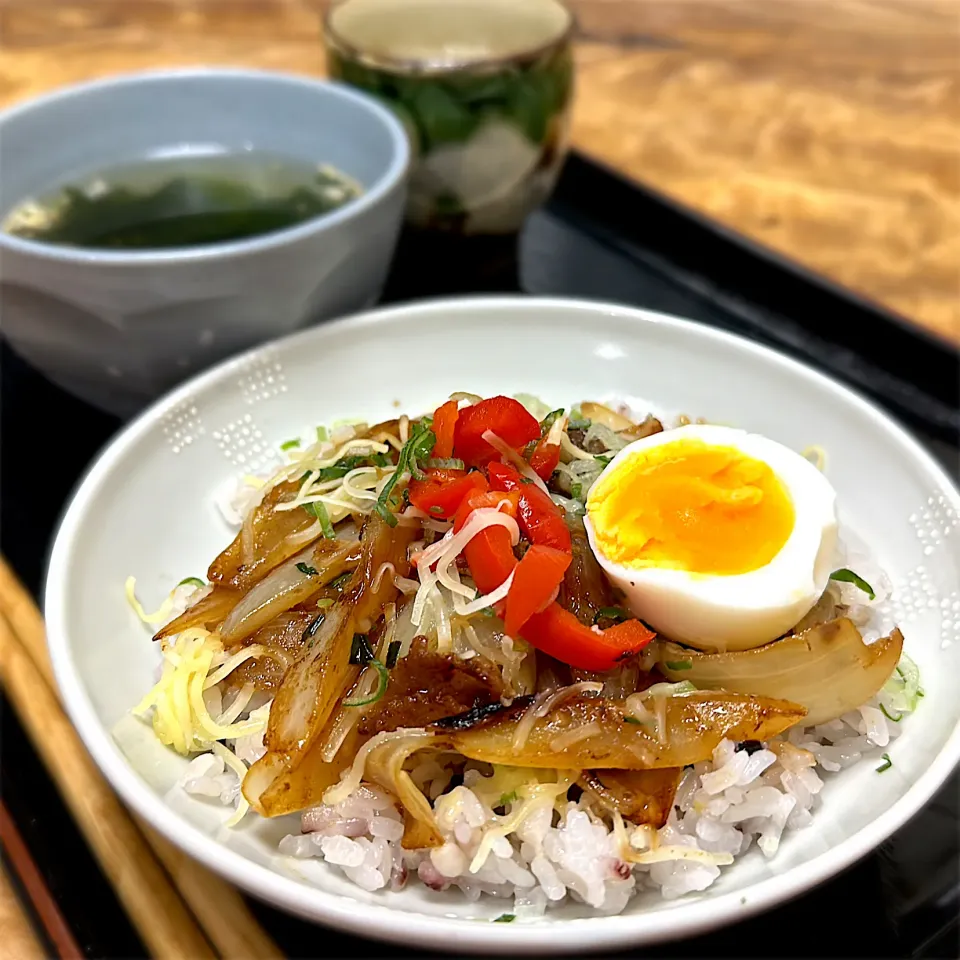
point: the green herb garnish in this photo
(886, 765)
(393, 653)
(340, 581)
(578, 423)
(360, 651)
(383, 678)
(610, 613)
(318, 510)
(576, 491)
(306, 569)
(436, 509)
(446, 463)
(896, 719)
(549, 420)
(488, 612)
(192, 581)
(418, 447)
(603, 458)
(633, 720)
(678, 664)
(505, 918)
(324, 602)
(309, 634)
(289, 444)
(510, 797)
(526, 480)
(322, 435)
(848, 576)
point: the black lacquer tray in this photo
(604, 238)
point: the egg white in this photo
(739, 611)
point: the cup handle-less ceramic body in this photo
(488, 121)
(120, 328)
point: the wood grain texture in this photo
(17, 935)
(828, 130)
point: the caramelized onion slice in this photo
(826, 668)
(290, 584)
(641, 796)
(689, 729)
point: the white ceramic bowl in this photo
(145, 508)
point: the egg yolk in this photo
(690, 506)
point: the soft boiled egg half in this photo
(718, 538)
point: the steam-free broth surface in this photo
(182, 201)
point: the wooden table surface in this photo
(826, 129)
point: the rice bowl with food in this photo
(531, 654)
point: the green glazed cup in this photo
(484, 89)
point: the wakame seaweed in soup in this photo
(182, 201)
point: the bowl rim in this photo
(379, 921)
(394, 175)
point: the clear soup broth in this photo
(182, 201)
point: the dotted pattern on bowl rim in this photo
(262, 379)
(931, 588)
(182, 426)
(242, 443)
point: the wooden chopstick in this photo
(133, 871)
(45, 907)
(16, 932)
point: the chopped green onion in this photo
(510, 797)
(339, 582)
(360, 652)
(603, 458)
(678, 664)
(887, 764)
(393, 653)
(610, 613)
(324, 602)
(307, 570)
(505, 918)
(488, 612)
(669, 689)
(895, 719)
(526, 480)
(436, 509)
(289, 444)
(418, 447)
(576, 491)
(446, 463)
(322, 435)
(311, 630)
(633, 720)
(318, 510)
(383, 680)
(192, 581)
(549, 420)
(577, 423)
(848, 576)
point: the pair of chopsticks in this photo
(178, 907)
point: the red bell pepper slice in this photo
(545, 459)
(506, 417)
(534, 586)
(539, 517)
(560, 634)
(444, 427)
(442, 491)
(489, 554)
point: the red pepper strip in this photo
(545, 458)
(442, 492)
(560, 634)
(506, 417)
(490, 553)
(444, 426)
(540, 518)
(534, 586)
